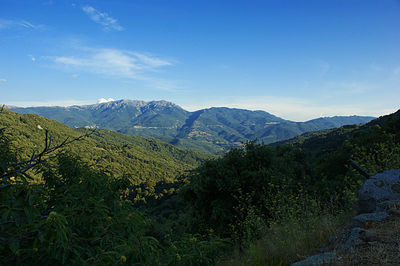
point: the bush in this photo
(236, 194)
(77, 216)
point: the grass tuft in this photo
(291, 240)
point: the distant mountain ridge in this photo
(209, 130)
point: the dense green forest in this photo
(92, 210)
(138, 158)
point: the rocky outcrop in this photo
(363, 218)
(357, 236)
(379, 198)
(381, 188)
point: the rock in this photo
(318, 259)
(379, 188)
(388, 205)
(366, 205)
(369, 236)
(358, 236)
(363, 218)
(354, 239)
(394, 212)
(379, 196)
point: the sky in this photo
(295, 59)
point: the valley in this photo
(184, 206)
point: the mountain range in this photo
(209, 130)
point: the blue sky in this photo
(295, 59)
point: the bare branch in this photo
(359, 169)
(21, 168)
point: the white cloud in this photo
(103, 19)
(102, 100)
(151, 60)
(27, 24)
(32, 57)
(74, 76)
(6, 24)
(3, 80)
(112, 62)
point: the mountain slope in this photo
(209, 130)
(139, 158)
(375, 146)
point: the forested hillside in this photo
(374, 145)
(139, 158)
(212, 130)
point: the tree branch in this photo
(21, 168)
(359, 169)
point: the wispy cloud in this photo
(112, 62)
(117, 63)
(32, 57)
(151, 60)
(3, 80)
(7, 24)
(102, 18)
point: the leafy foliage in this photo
(82, 217)
(77, 216)
(246, 188)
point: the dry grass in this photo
(292, 241)
(384, 251)
(283, 244)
